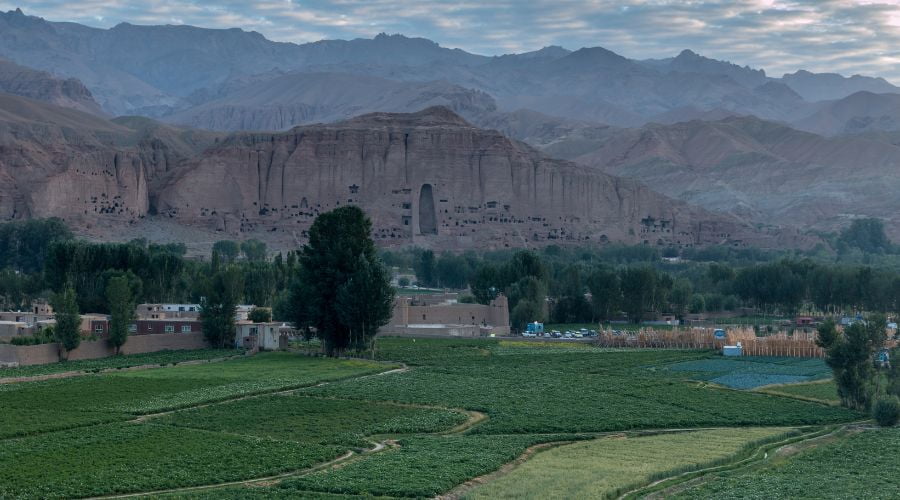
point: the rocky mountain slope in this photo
(854, 114)
(761, 171)
(428, 178)
(42, 86)
(302, 98)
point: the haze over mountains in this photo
(805, 149)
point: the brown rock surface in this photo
(427, 178)
(430, 179)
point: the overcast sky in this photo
(847, 36)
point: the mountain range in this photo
(802, 150)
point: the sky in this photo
(780, 36)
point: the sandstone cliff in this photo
(430, 179)
(62, 162)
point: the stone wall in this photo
(49, 353)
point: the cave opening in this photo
(427, 216)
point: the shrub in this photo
(887, 411)
(403, 282)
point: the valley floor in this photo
(458, 418)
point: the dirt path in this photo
(82, 373)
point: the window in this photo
(185, 328)
(132, 327)
(170, 328)
(98, 328)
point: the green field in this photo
(608, 466)
(862, 465)
(459, 410)
(750, 372)
(824, 391)
(116, 362)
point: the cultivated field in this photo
(431, 417)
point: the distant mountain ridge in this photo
(162, 70)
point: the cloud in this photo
(780, 36)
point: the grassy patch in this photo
(606, 467)
(857, 466)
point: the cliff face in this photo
(427, 178)
(65, 163)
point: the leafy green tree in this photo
(524, 312)
(253, 250)
(851, 357)
(68, 321)
(486, 284)
(606, 292)
(426, 269)
(227, 250)
(219, 307)
(260, 315)
(452, 271)
(867, 235)
(365, 303)
(339, 243)
(680, 297)
(638, 291)
(121, 310)
(887, 411)
(698, 304)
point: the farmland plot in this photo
(606, 466)
(100, 398)
(126, 457)
(754, 371)
(535, 390)
(862, 465)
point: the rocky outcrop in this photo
(429, 179)
(42, 86)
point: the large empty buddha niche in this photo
(427, 218)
